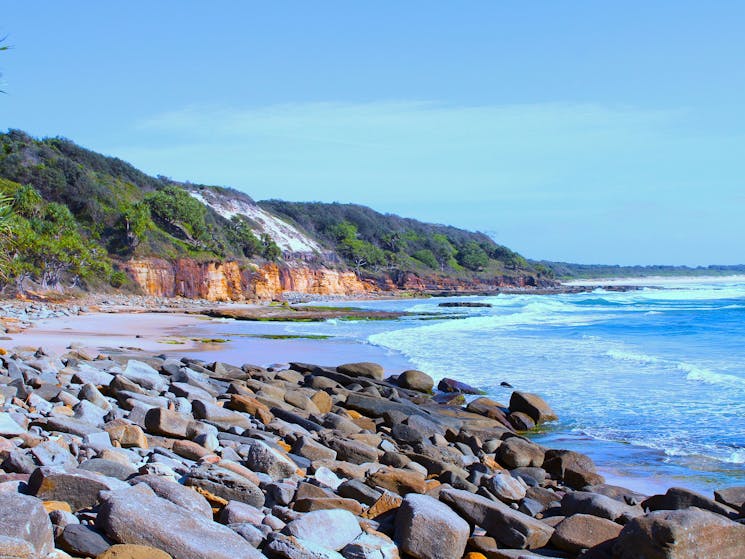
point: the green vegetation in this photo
(373, 242)
(288, 336)
(69, 214)
(567, 271)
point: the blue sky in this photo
(595, 132)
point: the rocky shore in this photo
(138, 456)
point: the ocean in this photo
(650, 382)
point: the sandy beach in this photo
(151, 332)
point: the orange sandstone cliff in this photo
(232, 281)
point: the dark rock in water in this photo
(429, 529)
(583, 531)
(25, 529)
(82, 541)
(521, 421)
(505, 384)
(532, 405)
(732, 497)
(451, 385)
(416, 380)
(368, 370)
(466, 304)
(137, 516)
(679, 498)
(681, 534)
(450, 398)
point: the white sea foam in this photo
(623, 355)
(708, 376)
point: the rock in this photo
(161, 421)
(681, 534)
(289, 547)
(327, 503)
(371, 546)
(25, 529)
(263, 458)
(144, 375)
(679, 498)
(398, 480)
(312, 450)
(108, 468)
(583, 531)
(236, 512)
(247, 404)
(368, 370)
(128, 436)
(79, 488)
(416, 380)
(352, 451)
(532, 405)
(519, 453)
(355, 489)
(732, 497)
(225, 484)
(332, 529)
(248, 532)
(221, 417)
(583, 502)
(322, 401)
(131, 551)
(505, 487)
(429, 529)
(82, 541)
(521, 421)
(173, 491)
(127, 516)
(451, 385)
(509, 527)
(8, 427)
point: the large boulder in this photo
(331, 529)
(680, 498)
(263, 458)
(25, 528)
(79, 488)
(732, 497)
(429, 529)
(681, 534)
(368, 370)
(452, 385)
(584, 502)
(519, 453)
(416, 380)
(136, 515)
(532, 405)
(583, 531)
(506, 488)
(509, 527)
(171, 490)
(144, 375)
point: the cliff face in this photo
(228, 281)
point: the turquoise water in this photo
(651, 383)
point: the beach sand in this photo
(152, 332)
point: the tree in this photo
(241, 235)
(182, 214)
(426, 257)
(473, 257)
(442, 249)
(134, 223)
(271, 250)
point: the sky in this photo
(581, 131)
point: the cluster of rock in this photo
(17, 315)
(117, 456)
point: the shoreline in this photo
(194, 336)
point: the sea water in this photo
(649, 382)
